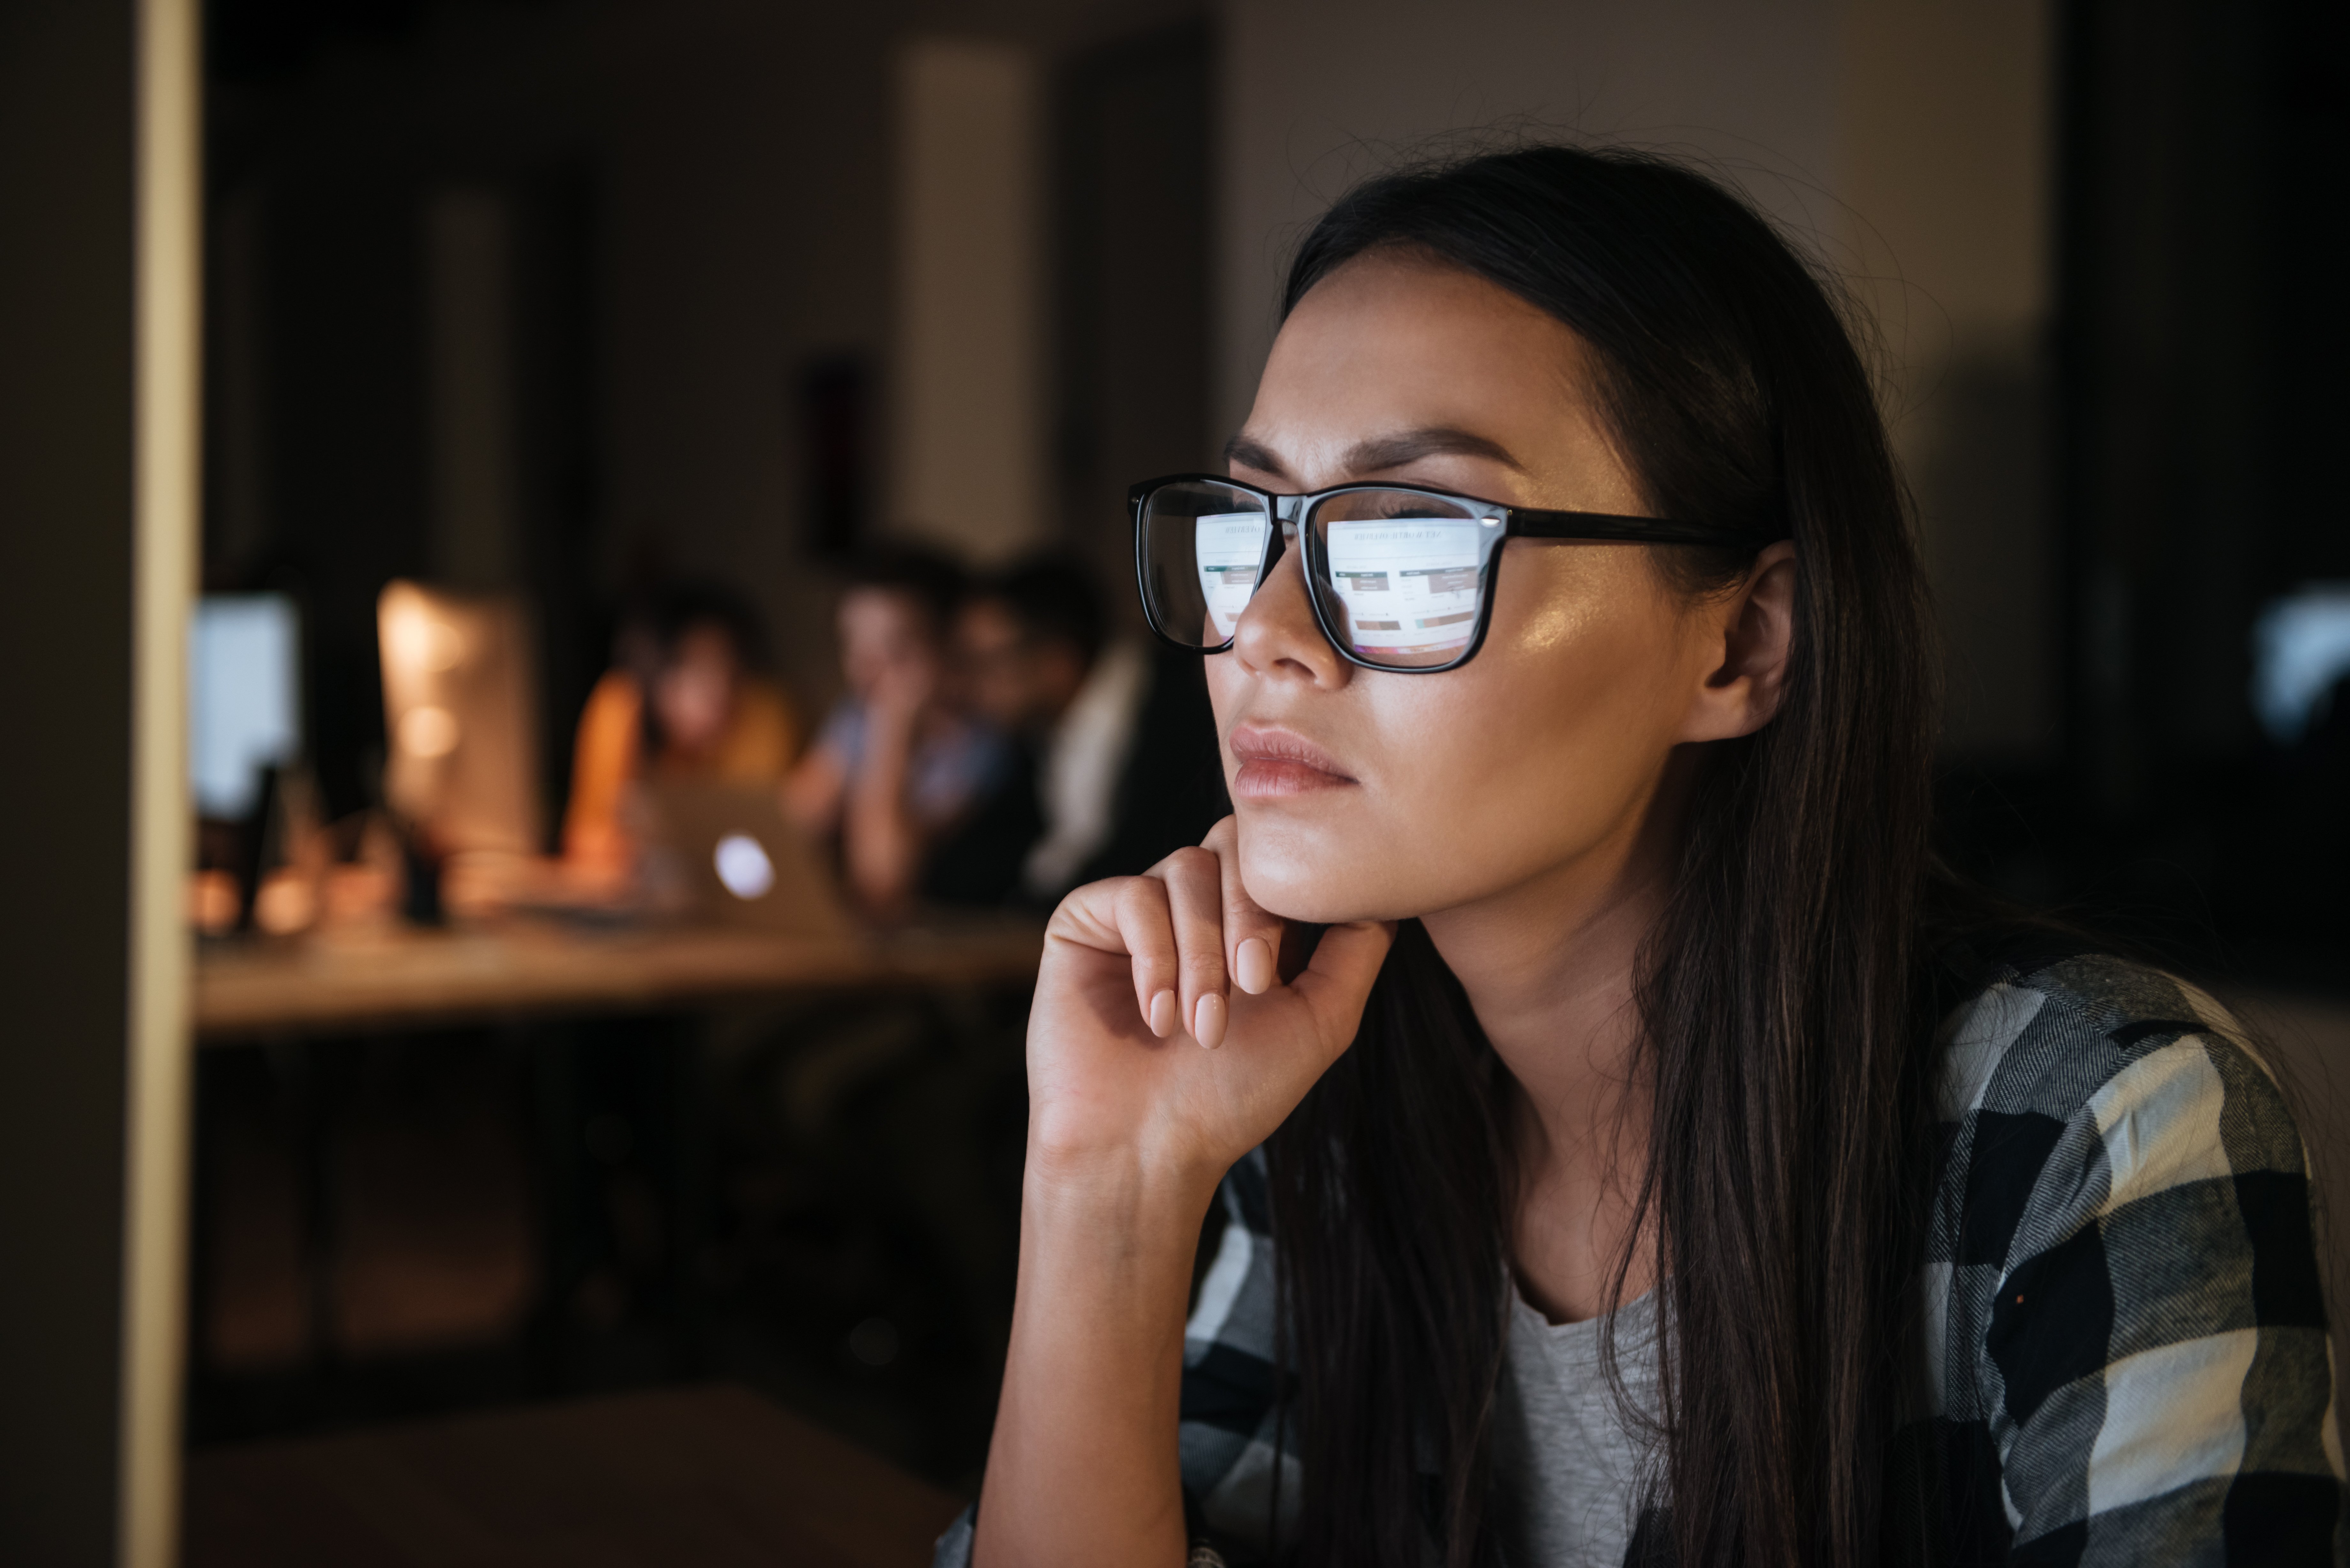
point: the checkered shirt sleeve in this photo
(1240, 1485)
(2126, 1345)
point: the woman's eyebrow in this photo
(1250, 453)
(1376, 454)
(1380, 453)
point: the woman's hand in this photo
(1162, 1042)
(1162, 1046)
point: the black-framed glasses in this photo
(1401, 577)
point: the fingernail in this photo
(1253, 966)
(1162, 1013)
(1208, 1021)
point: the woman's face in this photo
(1364, 795)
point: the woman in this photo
(685, 699)
(1603, 1189)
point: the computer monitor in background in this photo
(244, 696)
(459, 704)
(2300, 658)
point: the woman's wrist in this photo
(1084, 1465)
(1128, 1199)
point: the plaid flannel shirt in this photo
(2125, 1343)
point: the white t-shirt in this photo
(1567, 1474)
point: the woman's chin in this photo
(1311, 893)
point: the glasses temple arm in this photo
(1528, 523)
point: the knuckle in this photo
(1109, 894)
(1142, 916)
(1192, 863)
(1205, 967)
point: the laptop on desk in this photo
(725, 854)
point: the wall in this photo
(66, 117)
(1317, 93)
(746, 234)
(97, 447)
(751, 232)
(1904, 143)
(1947, 165)
(1134, 193)
(967, 375)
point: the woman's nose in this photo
(1278, 635)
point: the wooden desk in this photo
(702, 1478)
(317, 992)
(403, 978)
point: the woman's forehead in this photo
(1400, 304)
(1394, 361)
(1427, 345)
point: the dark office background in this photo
(334, 127)
(2198, 425)
(2190, 432)
(818, 1200)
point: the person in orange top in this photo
(685, 699)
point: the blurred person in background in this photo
(899, 766)
(1118, 743)
(686, 699)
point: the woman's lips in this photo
(1273, 764)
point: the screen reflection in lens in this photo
(1228, 546)
(1204, 545)
(1408, 572)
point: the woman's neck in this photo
(1550, 968)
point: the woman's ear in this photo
(1749, 635)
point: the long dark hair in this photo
(1783, 996)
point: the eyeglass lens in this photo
(1401, 574)
(1406, 574)
(1203, 547)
